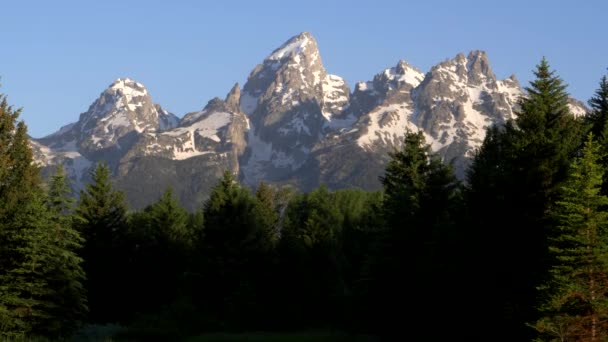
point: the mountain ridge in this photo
(292, 122)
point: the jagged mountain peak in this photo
(127, 83)
(404, 72)
(233, 98)
(301, 43)
(478, 67)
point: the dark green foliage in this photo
(407, 268)
(100, 217)
(597, 117)
(322, 249)
(513, 182)
(24, 249)
(27, 256)
(575, 305)
(66, 277)
(40, 275)
(235, 255)
(162, 240)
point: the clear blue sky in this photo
(58, 56)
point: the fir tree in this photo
(576, 301)
(265, 211)
(419, 202)
(100, 217)
(67, 276)
(27, 257)
(513, 182)
(235, 248)
(597, 117)
(162, 241)
(27, 252)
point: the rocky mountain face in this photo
(291, 122)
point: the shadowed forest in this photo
(517, 251)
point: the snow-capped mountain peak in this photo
(294, 46)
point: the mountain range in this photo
(291, 123)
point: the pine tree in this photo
(26, 251)
(513, 182)
(265, 212)
(162, 242)
(100, 217)
(235, 248)
(419, 204)
(597, 117)
(576, 301)
(66, 277)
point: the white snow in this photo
(287, 95)
(476, 123)
(67, 151)
(208, 127)
(394, 129)
(577, 110)
(128, 87)
(289, 49)
(513, 93)
(317, 77)
(365, 86)
(411, 76)
(334, 97)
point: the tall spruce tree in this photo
(28, 254)
(597, 117)
(234, 249)
(67, 276)
(100, 217)
(513, 182)
(162, 242)
(575, 306)
(419, 203)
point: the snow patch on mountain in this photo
(208, 127)
(290, 48)
(387, 123)
(335, 96)
(404, 73)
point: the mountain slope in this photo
(292, 122)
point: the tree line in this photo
(518, 251)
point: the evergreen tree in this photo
(265, 211)
(513, 182)
(235, 249)
(311, 260)
(66, 276)
(420, 198)
(162, 241)
(100, 217)
(27, 252)
(27, 257)
(576, 300)
(597, 117)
